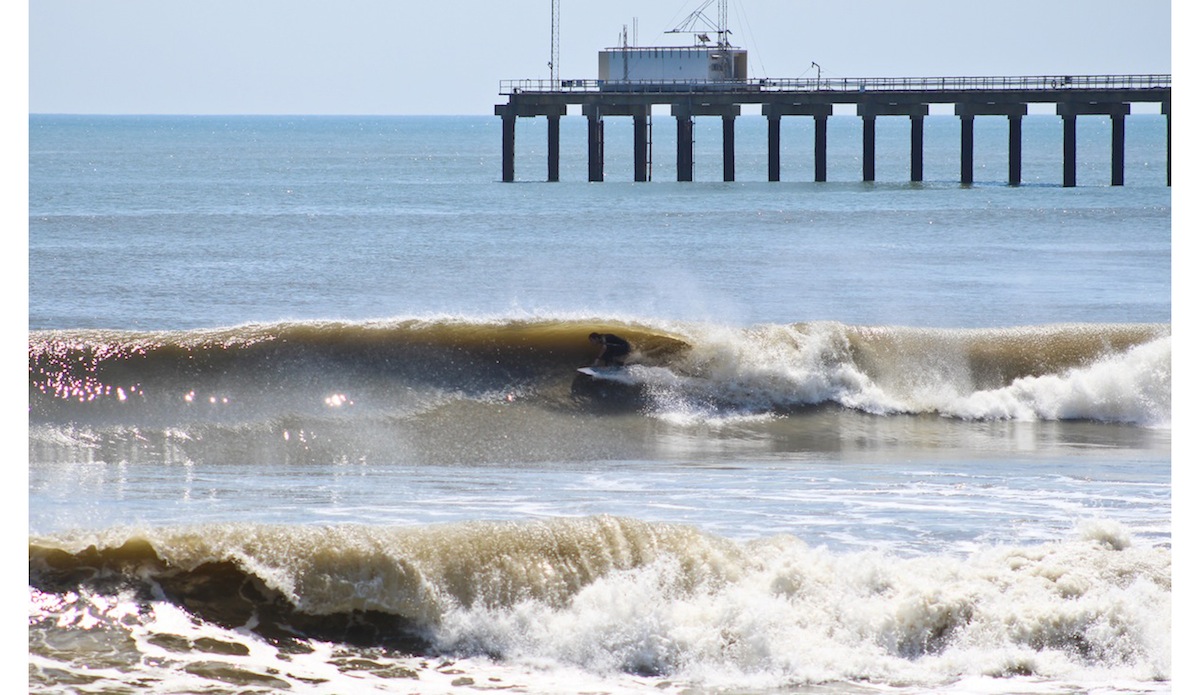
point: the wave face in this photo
(406, 369)
(605, 595)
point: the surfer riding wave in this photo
(614, 350)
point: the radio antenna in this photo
(701, 24)
(554, 14)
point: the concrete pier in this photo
(971, 97)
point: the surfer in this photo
(614, 351)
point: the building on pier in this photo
(685, 67)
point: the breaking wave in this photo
(615, 595)
(405, 368)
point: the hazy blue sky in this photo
(447, 57)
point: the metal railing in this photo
(846, 84)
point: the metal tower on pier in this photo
(554, 15)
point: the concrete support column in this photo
(1014, 149)
(1118, 149)
(868, 147)
(917, 156)
(508, 137)
(727, 141)
(641, 148)
(773, 123)
(967, 167)
(1068, 150)
(595, 144)
(552, 158)
(683, 146)
(1166, 109)
(820, 146)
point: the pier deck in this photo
(1074, 95)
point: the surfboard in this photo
(618, 374)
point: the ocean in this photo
(304, 414)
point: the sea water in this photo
(304, 415)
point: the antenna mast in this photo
(554, 13)
(723, 22)
(720, 27)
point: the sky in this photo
(368, 57)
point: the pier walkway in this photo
(1074, 95)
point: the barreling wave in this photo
(403, 368)
(610, 594)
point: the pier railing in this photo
(845, 84)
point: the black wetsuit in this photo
(616, 349)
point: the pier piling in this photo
(773, 124)
(641, 146)
(508, 139)
(868, 146)
(595, 143)
(1118, 148)
(967, 149)
(1166, 111)
(727, 143)
(917, 147)
(683, 145)
(820, 145)
(552, 140)
(1014, 148)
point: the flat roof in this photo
(706, 49)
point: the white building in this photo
(684, 64)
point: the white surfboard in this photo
(618, 374)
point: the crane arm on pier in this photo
(720, 27)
